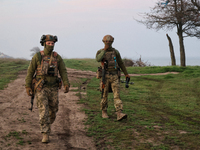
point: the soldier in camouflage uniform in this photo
(45, 65)
(112, 77)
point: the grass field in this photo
(92, 64)
(163, 111)
(82, 64)
(9, 70)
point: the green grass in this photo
(92, 65)
(155, 69)
(163, 111)
(159, 108)
(18, 137)
(82, 64)
(9, 70)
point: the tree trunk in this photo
(182, 49)
(180, 35)
(171, 48)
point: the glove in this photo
(127, 76)
(29, 91)
(66, 89)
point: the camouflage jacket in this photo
(101, 54)
(35, 62)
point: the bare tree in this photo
(196, 3)
(177, 14)
(34, 50)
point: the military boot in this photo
(45, 138)
(121, 115)
(104, 114)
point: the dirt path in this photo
(68, 130)
(19, 128)
(154, 74)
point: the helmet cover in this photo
(48, 37)
(108, 38)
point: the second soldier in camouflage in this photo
(112, 76)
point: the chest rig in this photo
(48, 65)
(110, 57)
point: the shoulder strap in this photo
(40, 56)
(54, 54)
(50, 59)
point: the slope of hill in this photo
(2, 55)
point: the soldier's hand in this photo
(29, 91)
(127, 76)
(66, 89)
(106, 47)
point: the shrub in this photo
(135, 63)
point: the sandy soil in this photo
(68, 130)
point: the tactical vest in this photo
(110, 57)
(48, 65)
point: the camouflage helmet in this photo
(108, 38)
(48, 37)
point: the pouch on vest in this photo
(51, 70)
(45, 68)
(111, 64)
(99, 73)
(39, 84)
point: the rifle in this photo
(32, 98)
(33, 91)
(104, 66)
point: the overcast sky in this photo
(80, 26)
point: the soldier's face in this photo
(108, 40)
(50, 43)
(108, 43)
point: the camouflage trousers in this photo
(113, 81)
(47, 103)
